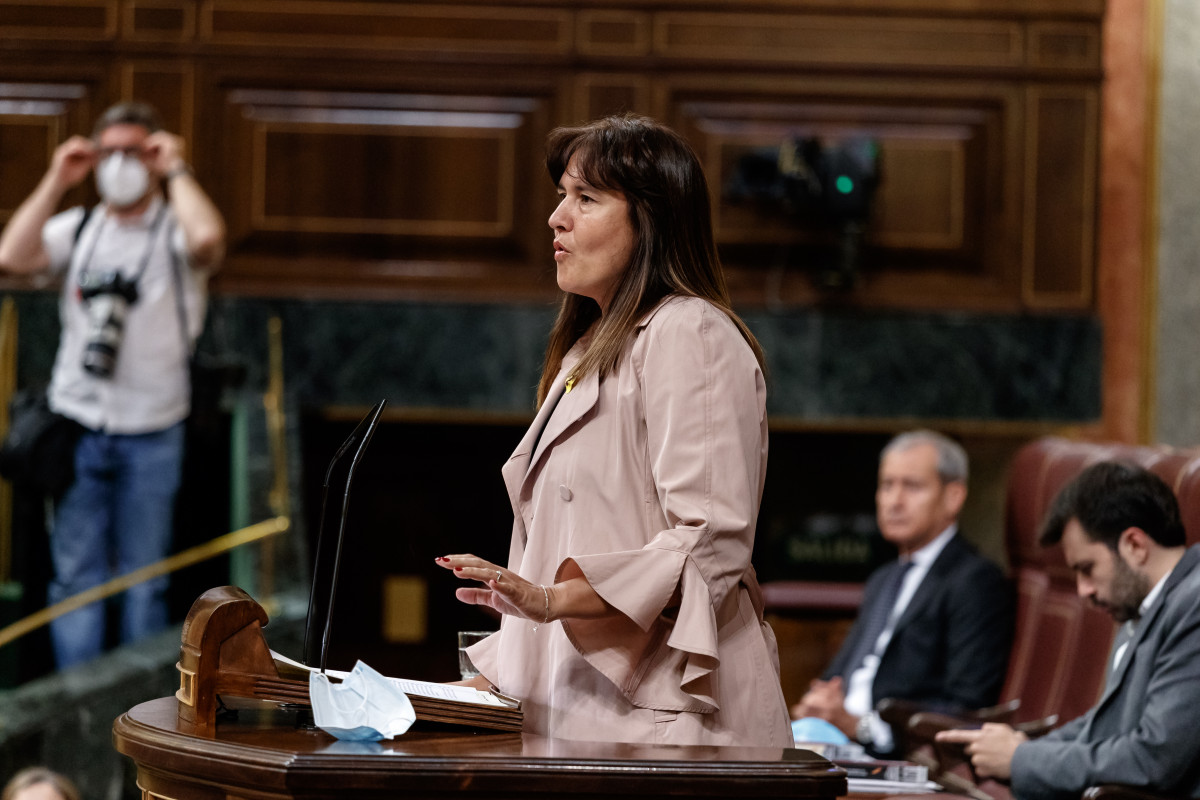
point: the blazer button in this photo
(564, 493)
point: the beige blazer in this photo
(650, 480)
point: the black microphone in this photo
(361, 434)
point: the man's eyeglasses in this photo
(133, 151)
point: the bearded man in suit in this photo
(1122, 535)
(936, 624)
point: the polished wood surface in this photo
(265, 752)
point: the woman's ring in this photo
(499, 575)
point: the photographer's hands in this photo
(165, 154)
(73, 161)
(21, 248)
(162, 153)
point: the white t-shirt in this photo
(149, 389)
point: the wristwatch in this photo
(862, 730)
(179, 169)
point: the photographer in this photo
(133, 269)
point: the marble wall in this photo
(829, 370)
(825, 366)
(1178, 296)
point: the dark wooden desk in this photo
(264, 754)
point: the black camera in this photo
(809, 177)
(829, 183)
(106, 297)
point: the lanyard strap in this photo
(181, 308)
(145, 261)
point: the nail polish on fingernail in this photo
(458, 569)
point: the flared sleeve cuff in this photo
(670, 675)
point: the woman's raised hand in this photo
(503, 590)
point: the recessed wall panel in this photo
(1060, 207)
(34, 120)
(297, 23)
(406, 182)
(407, 174)
(59, 19)
(837, 39)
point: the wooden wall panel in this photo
(1060, 209)
(34, 120)
(359, 146)
(167, 85)
(924, 204)
(160, 20)
(299, 23)
(75, 20)
(949, 183)
(1064, 46)
(874, 39)
(614, 33)
(369, 176)
(600, 94)
(434, 174)
(21, 135)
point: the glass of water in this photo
(465, 640)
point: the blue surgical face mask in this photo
(812, 729)
(365, 707)
(363, 733)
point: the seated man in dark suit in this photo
(935, 625)
(1121, 534)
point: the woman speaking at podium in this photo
(630, 609)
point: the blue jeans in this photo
(116, 517)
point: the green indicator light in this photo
(844, 184)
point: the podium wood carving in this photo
(223, 652)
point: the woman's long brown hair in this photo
(664, 185)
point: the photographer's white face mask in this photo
(122, 180)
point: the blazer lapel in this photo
(550, 423)
(514, 470)
(941, 566)
(561, 410)
(1146, 624)
(570, 408)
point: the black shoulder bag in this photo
(39, 449)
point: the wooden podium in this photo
(265, 753)
(262, 745)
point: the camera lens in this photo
(99, 359)
(106, 326)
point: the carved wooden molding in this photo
(811, 39)
(364, 25)
(159, 20)
(74, 20)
